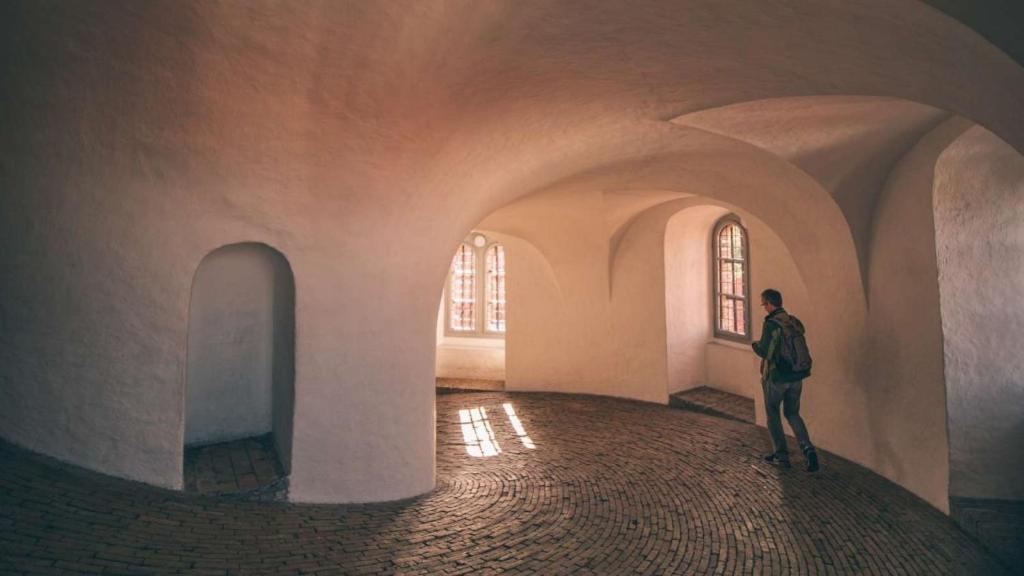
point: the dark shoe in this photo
(812, 461)
(777, 460)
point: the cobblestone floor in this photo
(608, 487)
(715, 402)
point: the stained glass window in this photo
(731, 281)
(496, 288)
(476, 293)
(462, 290)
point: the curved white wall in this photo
(688, 294)
(577, 326)
(470, 358)
(979, 231)
(905, 398)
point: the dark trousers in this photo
(788, 395)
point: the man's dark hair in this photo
(773, 297)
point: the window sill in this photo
(466, 342)
(731, 344)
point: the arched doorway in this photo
(472, 318)
(239, 393)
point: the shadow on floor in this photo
(715, 403)
(245, 466)
(997, 524)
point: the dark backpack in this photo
(793, 353)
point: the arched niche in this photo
(241, 348)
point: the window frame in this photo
(485, 288)
(448, 330)
(480, 292)
(716, 285)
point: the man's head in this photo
(771, 299)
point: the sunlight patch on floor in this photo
(477, 432)
(520, 431)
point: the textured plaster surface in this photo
(230, 346)
(363, 141)
(688, 293)
(904, 390)
(979, 228)
(849, 144)
(477, 360)
(570, 334)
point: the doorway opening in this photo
(473, 316)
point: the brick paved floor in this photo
(609, 487)
(997, 524)
(240, 466)
(715, 402)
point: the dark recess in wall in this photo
(1001, 22)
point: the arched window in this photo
(465, 291)
(496, 288)
(462, 291)
(731, 255)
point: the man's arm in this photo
(761, 347)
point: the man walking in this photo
(781, 381)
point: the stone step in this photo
(707, 400)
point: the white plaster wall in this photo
(979, 231)
(849, 144)
(230, 346)
(535, 302)
(475, 360)
(468, 358)
(904, 392)
(733, 367)
(552, 336)
(580, 326)
(688, 294)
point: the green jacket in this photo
(768, 349)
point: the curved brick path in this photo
(612, 487)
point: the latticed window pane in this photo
(725, 277)
(737, 242)
(496, 306)
(731, 285)
(724, 243)
(462, 304)
(727, 315)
